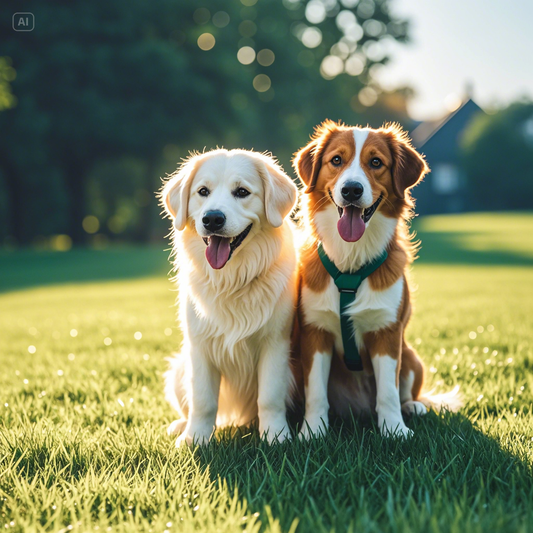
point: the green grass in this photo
(22, 269)
(82, 423)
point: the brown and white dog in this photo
(357, 203)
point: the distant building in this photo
(444, 190)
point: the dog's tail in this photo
(449, 401)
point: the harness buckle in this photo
(348, 290)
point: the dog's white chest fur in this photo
(231, 329)
(371, 311)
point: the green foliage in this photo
(82, 420)
(100, 83)
(7, 75)
(498, 158)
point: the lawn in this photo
(83, 445)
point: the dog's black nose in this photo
(352, 191)
(214, 220)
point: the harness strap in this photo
(348, 283)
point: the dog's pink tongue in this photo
(351, 226)
(217, 251)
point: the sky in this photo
(485, 43)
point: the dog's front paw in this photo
(275, 436)
(195, 434)
(314, 428)
(395, 428)
(190, 439)
(184, 440)
(276, 431)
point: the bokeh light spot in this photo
(349, 4)
(265, 57)
(366, 9)
(116, 224)
(311, 37)
(61, 243)
(345, 19)
(374, 50)
(206, 41)
(91, 224)
(221, 19)
(354, 33)
(315, 12)
(201, 16)
(354, 65)
(368, 96)
(246, 55)
(340, 49)
(262, 83)
(331, 66)
(374, 28)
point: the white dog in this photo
(236, 270)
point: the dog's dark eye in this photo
(336, 161)
(376, 162)
(241, 192)
(203, 191)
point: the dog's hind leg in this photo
(411, 381)
(414, 399)
(176, 391)
(177, 427)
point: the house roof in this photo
(426, 130)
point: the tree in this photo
(498, 158)
(100, 81)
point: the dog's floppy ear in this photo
(306, 165)
(280, 191)
(408, 167)
(308, 161)
(175, 193)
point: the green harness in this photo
(348, 283)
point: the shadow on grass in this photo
(451, 248)
(449, 477)
(27, 268)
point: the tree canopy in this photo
(498, 158)
(134, 85)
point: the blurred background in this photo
(99, 100)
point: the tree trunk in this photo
(15, 190)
